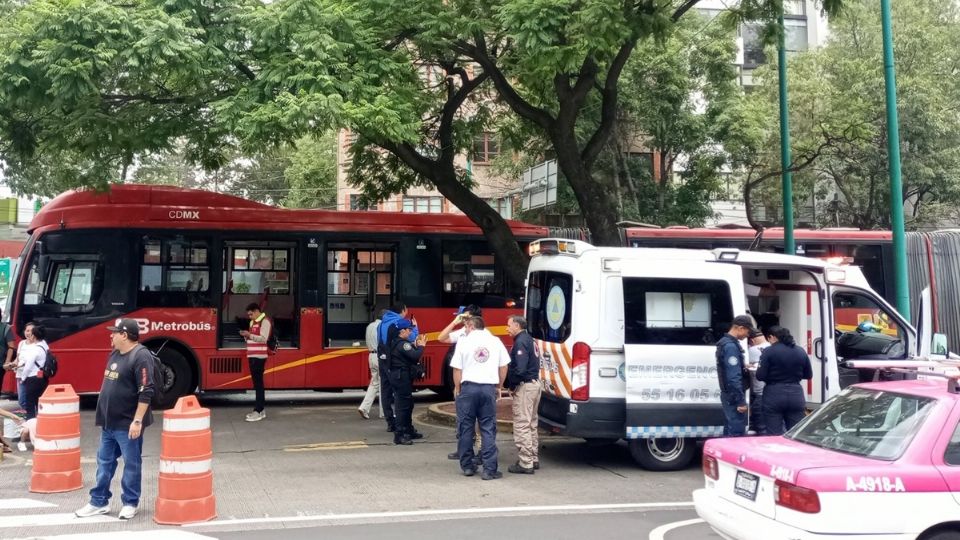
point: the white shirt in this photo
(480, 355)
(753, 357)
(371, 336)
(30, 358)
(456, 335)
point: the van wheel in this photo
(177, 377)
(663, 454)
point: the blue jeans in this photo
(21, 395)
(736, 424)
(477, 403)
(113, 444)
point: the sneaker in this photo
(453, 455)
(470, 472)
(491, 476)
(517, 468)
(256, 416)
(22, 446)
(365, 415)
(127, 512)
(90, 510)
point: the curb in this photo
(436, 416)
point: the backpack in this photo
(272, 342)
(50, 365)
(159, 380)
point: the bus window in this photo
(174, 272)
(675, 311)
(472, 275)
(549, 296)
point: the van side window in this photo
(675, 311)
(548, 305)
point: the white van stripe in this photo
(56, 444)
(59, 408)
(186, 424)
(185, 467)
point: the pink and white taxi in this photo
(879, 461)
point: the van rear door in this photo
(674, 313)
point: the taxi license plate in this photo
(746, 485)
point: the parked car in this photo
(880, 460)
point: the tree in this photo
(838, 120)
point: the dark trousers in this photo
(783, 406)
(256, 374)
(33, 388)
(387, 395)
(736, 424)
(477, 403)
(757, 421)
(403, 389)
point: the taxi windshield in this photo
(868, 423)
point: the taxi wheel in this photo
(663, 454)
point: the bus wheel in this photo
(663, 454)
(178, 378)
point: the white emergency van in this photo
(627, 335)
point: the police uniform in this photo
(523, 380)
(404, 357)
(732, 378)
(782, 367)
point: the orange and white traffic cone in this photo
(56, 443)
(185, 494)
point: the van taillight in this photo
(796, 498)
(710, 467)
(580, 372)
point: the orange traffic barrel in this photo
(56, 443)
(185, 493)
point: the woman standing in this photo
(31, 357)
(782, 366)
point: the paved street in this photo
(315, 463)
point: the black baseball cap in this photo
(743, 321)
(129, 326)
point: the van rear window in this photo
(660, 311)
(548, 305)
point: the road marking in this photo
(164, 534)
(342, 445)
(659, 532)
(449, 512)
(19, 504)
(39, 520)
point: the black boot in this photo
(402, 439)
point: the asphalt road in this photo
(314, 462)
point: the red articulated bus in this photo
(186, 263)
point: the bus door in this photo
(360, 281)
(262, 272)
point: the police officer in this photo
(404, 360)
(731, 371)
(782, 366)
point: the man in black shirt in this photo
(523, 380)
(123, 410)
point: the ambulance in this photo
(627, 336)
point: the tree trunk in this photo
(598, 202)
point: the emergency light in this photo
(552, 247)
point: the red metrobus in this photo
(186, 263)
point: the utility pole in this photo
(789, 247)
(896, 183)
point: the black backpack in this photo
(159, 380)
(272, 342)
(50, 365)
